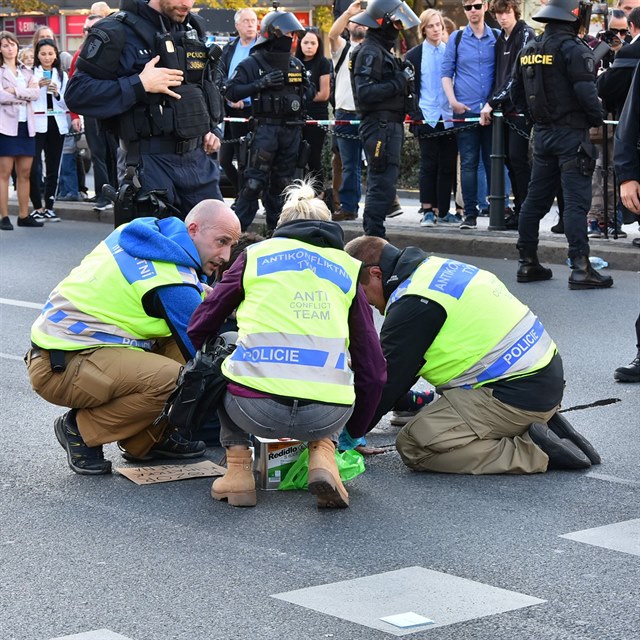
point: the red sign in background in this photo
(75, 24)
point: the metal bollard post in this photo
(497, 197)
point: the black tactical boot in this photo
(563, 454)
(530, 269)
(563, 429)
(172, 447)
(630, 373)
(584, 276)
(85, 460)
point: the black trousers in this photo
(51, 143)
(518, 158)
(315, 136)
(437, 166)
(382, 143)
(273, 158)
(555, 153)
(229, 151)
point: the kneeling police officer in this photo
(146, 73)
(278, 86)
(554, 83)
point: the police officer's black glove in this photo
(270, 80)
(409, 71)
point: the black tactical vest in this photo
(200, 108)
(550, 97)
(384, 67)
(285, 102)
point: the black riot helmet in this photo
(570, 11)
(276, 24)
(380, 13)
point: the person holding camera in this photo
(146, 73)
(554, 84)
(383, 87)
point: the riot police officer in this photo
(382, 87)
(277, 84)
(554, 83)
(146, 73)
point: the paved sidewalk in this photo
(405, 230)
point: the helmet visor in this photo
(402, 16)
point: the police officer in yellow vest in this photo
(112, 336)
(496, 368)
(308, 360)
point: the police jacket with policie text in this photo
(554, 81)
(414, 326)
(107, 86)
(379, 86)
(365, 353)
(286, 102)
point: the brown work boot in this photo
(324, 478)
(237, 486)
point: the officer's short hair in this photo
(301, 204)
(367, 249)
(503, 6)
(634, 18)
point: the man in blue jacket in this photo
(112, 336)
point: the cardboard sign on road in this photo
(171, 472)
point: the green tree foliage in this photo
(25, 6)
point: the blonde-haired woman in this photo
(437, 152)
(308, 360)
(18, 90)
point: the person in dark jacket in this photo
(233, 53)
(497, 370)
(308, 363)
(515, 34)
(144, 70)
(554, 84)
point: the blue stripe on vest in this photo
(452, 278)
(109, 338)
(301, 259)
(133, 269)
(285, 355)
(509, 357)
(58, 316)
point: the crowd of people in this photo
(308, 362)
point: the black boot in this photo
(563, 429)
(563, 454)
(584, 276)
(530, 269)
(630, 373)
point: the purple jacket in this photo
(367, 362)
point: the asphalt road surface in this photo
(550, 556)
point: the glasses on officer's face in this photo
(468, 7)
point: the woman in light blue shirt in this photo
(437, 153)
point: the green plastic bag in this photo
(350, 464)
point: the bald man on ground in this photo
(111, 338)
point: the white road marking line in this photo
(620, 536)
(608, 478)
(98, 634)
(21, 303)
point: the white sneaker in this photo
(49, 216)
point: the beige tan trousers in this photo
(469, 431)
(119, 392)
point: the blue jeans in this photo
(350, 150)
(471, 143)
(268, 418)
(68, 179)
